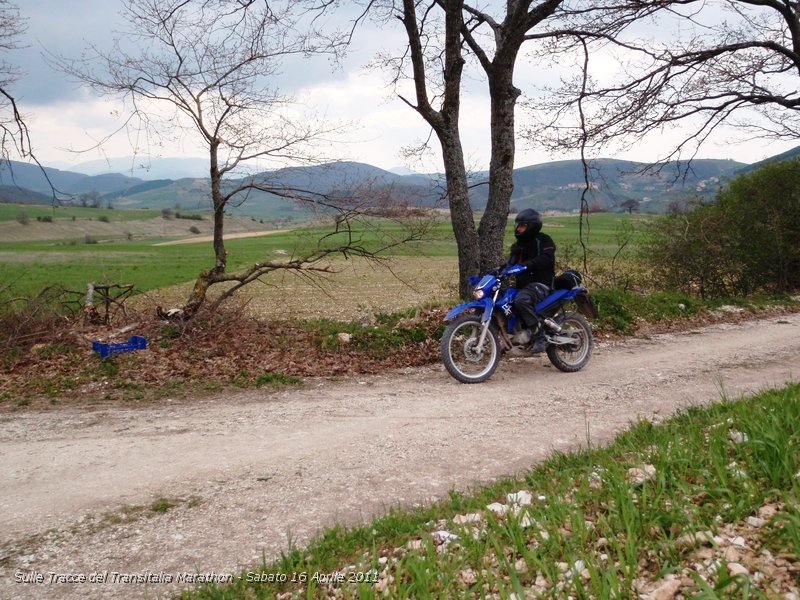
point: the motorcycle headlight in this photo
(478, 294)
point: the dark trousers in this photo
(526, 299)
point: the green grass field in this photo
(28, 267)
(12, 212)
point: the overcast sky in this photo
(63, 118)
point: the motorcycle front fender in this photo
(486, 305)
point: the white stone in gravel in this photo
(442, 538)
(667, 590)
(468, 518)
(415, 545)
(737, 437)
(639, 475)
(735, 569)
(738, 541)
(497, 508)
(520, 498)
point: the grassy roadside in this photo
(51, 363)
(706, 504)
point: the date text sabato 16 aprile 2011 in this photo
(333, 577)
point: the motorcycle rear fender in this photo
(586, 305)
(486, 305)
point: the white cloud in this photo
(70, 131)
(61, 117)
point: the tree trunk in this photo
(207, 278)
(219, 202)
(461, 216)
(445, 123)
(503, 94)
(501, 168)
(198, 295)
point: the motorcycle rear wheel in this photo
(572, 357)
(461, 357)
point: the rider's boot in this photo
(539, 345)
(522, 337)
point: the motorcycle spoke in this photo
(572, 357)
(464, 353)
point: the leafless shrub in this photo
(26, 321)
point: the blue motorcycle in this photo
(480, 331)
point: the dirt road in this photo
(251, 471)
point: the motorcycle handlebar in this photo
(501, 272)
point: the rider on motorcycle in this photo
(536, 250)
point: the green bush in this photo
(765, 210)
(747, 241)
(619, 309)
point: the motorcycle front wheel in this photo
(574, 356)
(462, 357)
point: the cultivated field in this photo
(154, 254)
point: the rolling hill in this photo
(43, 180)
(555, 185)
(559, 185)
(793, 153)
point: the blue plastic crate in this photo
(135, 342)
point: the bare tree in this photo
(205, 67)
(14, 134)
(443, 36)
(444, 57)
(736, 62)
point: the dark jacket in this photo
(539, 255)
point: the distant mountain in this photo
(102, 184)
(346, 177)
(140, 188)
(32, 177)
(14, 174)
(331, 176)
(402, 171)
(17, 195)
(559, 185)
(327, 181)
(194, 194)
(550, 186)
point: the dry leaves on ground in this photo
(213, 351)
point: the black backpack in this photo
(567, 280)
